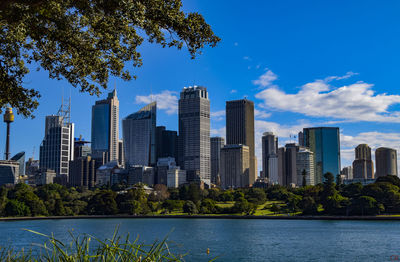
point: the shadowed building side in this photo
(386, 162)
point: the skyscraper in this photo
(20, 158)
(216, 144)
(240, 129)
(105, 128)
(194, 133)
(235, 166)
(166, 143)
(386, 161)
(82, 172)
(305, 163)
(363, 167)
(139, 132)
(324, 142)
(57, 147)
(270, 156)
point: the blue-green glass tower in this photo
(325, 143)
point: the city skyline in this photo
(285, 72)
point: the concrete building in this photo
(104, 173)
(386, 161)
(216, 144)
(235, 166)
(31, 168)
(324, 142)
(163, 165)
(20, 158)
(139, 132)
(166, 143)
(363, 167)
(347, 172)
(176, 177)
(105, 128)
(45, 176)
(57, 147)
(240, 129)
(141, 174)
(194, 133)
(82, 172)
(9, 172)
(305, 162)
(270, 157)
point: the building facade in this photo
(235, 166)
(240, 129)
(305, 166)
(216, 144)
(270, 157)
(176, 177)
(82, 172)
(9, 172)
(363, 167)
(386, 162)
(139, 133)
(105, 128)
(20, 158)
(166, 143)
(194, 133)
(347, 172)
(324, 142)
(57, 147)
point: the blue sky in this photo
(303, 63)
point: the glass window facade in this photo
(100, 127)
(325, 143)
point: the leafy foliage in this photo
(87, 41)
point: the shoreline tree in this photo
(87, 41)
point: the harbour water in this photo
(232, 240)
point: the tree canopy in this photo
(87, 41)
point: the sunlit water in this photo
(234, 240)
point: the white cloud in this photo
(246, 58)
(346, 76)
(355, 102)
(265, 79)
(233, 91)
(261, 114)
(166, 100)
(218, 132)
(236, 44)
(218, 115)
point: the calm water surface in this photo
(235, 240)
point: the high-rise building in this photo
(9, 172)
(20, 158)
(386, 161)
(82, 172)
(290, 177)
(194, 133)
(31, 168)
(282, 166)
(305, 163)
(324, 142)
(141, 174)
(216, 144)
(57, 147)
(166, 143)
(45, 176)
(240, 129)
(363, 167)
(139, 132)
(347, 172)
(163, 165)
(270, 157)
(235, 166)
(105, 128)
(81, 149)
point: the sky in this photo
(303, 63)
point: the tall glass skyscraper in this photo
(139, 132)
(194, 133)
(105, 128)
(324, 142)
(270, 156)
